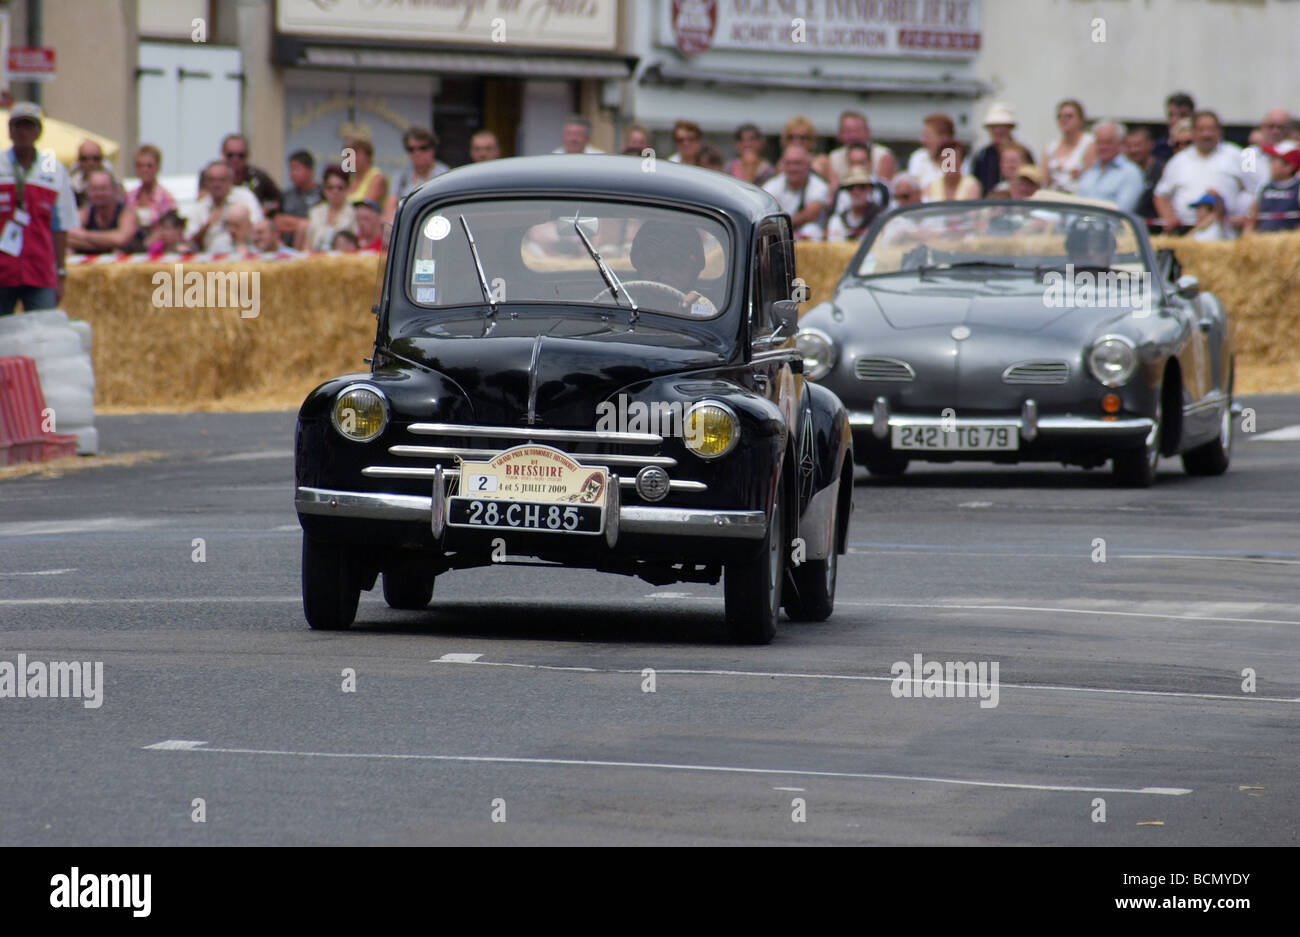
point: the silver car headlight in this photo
(360, 413)
(1112, 360)
(818, 352)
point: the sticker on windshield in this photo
(425, 294)
(437, 228)
(702, 309)
(424, 270)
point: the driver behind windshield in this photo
(1090, 243)
(672, 255)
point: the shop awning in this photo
(521, 65)
(668, 73)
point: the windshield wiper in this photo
(611, 278)
(923, 269)
(478, 265)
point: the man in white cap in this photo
(986, 166)
(37, 209)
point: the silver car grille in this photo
(1037, 372)
(624, 464)
(883, 370)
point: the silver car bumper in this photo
(632, 519)
(1029, 424)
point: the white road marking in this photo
(1196, 556)
(976, 504)
(1072, 611)
(866, 678)
(176, 745)
(459, 658)
(83, 525)
(792, 789)
(666, 595)
(41, 572)
(1286, 434)
(294, 527)
(668, 766)
(206, 600)
(253, 456)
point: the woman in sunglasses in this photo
(421, 147)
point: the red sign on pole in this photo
(28, 63)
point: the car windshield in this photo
(982, 239)
(575, 251)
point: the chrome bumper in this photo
(632, 519)
(1029, 423)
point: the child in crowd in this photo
(171, 236)
(1277, 207)
(1209, 218)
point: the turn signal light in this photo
(1110, 403)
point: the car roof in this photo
(603, 174)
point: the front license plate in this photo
(492, 513)
(959, 439)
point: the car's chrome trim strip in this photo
(633, 518)
(861, 419)
(1212, 401)
(530, 435)
(363, 504)
(412, 471)
(483, 455)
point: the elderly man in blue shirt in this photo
(1111, 177)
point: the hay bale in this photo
(313, 323)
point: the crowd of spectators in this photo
(1190, 181)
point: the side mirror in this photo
(1188, 286)
(786, 313)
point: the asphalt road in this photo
(514, 709)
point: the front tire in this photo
(753, 587)
(1136, 468)
(813, 596)
(408, 590)
(1213, 457)
(331, 584)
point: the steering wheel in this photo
(677, 297)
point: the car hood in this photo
(978, 309)
(554, 367)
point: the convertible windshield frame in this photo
(936, 253)
(548, 206)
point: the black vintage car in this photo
(1036, 330)
(587, 362)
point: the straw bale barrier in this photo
(314, 322)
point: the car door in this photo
(772, 348)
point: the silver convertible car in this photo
(1012, 331)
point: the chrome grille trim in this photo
(484, 455)
(883, 370)
(1037, 372)
(408, 471)
(528, 434)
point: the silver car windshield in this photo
(667, 260)
(952, 235)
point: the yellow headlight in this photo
(711, 430)
(359, 413)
